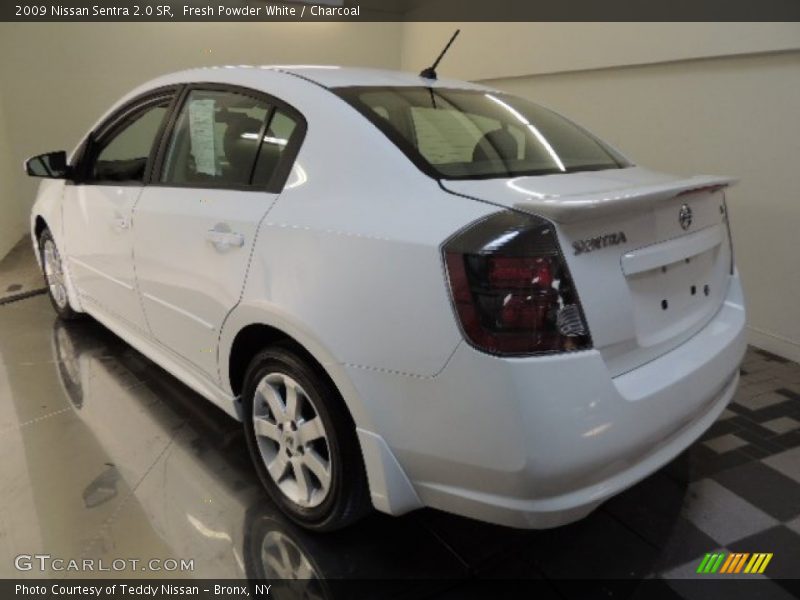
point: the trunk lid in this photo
(649, 253)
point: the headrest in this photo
(495, 144)
(241, 138)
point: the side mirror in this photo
(52, 165)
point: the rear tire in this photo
(55, 277)
(302, 441)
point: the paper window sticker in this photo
(201, 135)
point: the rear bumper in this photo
(541, 442)
(573, 504)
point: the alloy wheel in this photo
(54, 273)
(292, 440)
(282, 559)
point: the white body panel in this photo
(99, 246)
(347, 261)
(189, 276)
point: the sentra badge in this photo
(599, 242)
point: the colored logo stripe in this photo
(726, 567)
(740, 563)
(735, 562)
(758, 563)
(711, 563)
(703, 563)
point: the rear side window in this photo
(122, 157)
(279, 133)
(216, 139)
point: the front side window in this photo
(122, 156)
(466, 134)
(216, 139)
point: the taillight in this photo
(511, 287)
(724, 209)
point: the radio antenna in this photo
(430, 72)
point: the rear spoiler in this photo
(565, 209)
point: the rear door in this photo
(97, 208)
(221, 168)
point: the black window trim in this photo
(113, 124)
(349, 95)
(279, 177)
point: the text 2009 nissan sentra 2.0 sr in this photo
(412, 292)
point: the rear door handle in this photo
(120, 223)
(223, 240)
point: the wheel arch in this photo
(45, 219)
(248, 342)
(39, 225)
(249, 329)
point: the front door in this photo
(98, 208)
(196, 225)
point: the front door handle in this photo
(223, 240)
(120, 223)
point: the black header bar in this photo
(400, 10)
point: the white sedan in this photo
(412, 292)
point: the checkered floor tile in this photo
(743, 478)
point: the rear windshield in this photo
(466, 134)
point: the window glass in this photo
(381, 111)
(124, 156)
(447, 136)
(216, 139)
(276, 139)
(464, 134)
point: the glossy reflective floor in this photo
(19, 273)
(106, 456)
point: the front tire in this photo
(55, 277)
(302, 441)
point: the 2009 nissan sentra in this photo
(412, 292)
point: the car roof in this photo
(329, 76)
(354, 76)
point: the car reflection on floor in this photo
(143, 466)
(107, 456)
(201, 495)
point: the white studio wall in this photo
(502, 50)
(11, 215)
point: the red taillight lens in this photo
(510, 272)
(511, 287)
